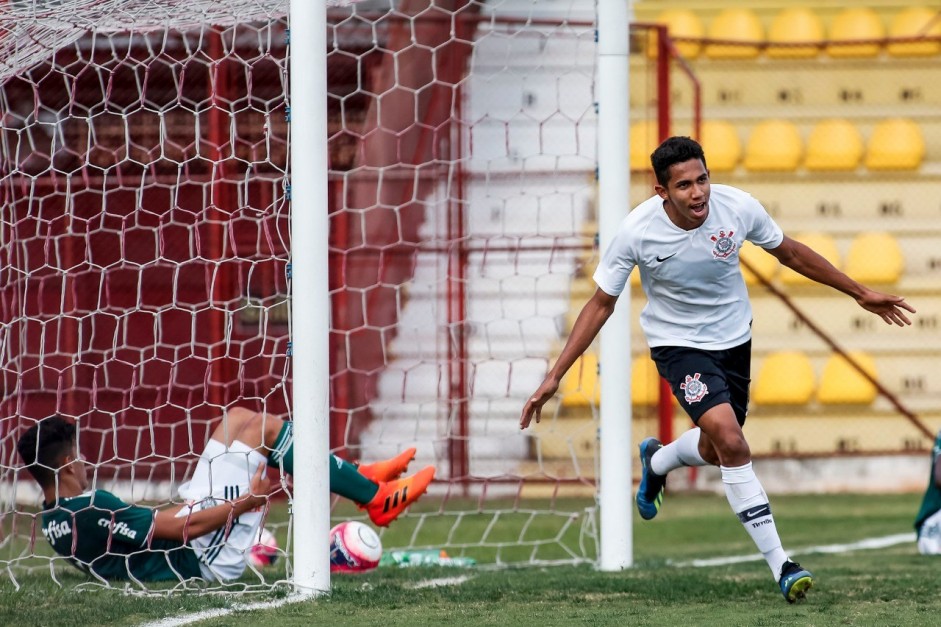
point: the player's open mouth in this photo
(699, 209)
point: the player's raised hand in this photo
(533, 407)
(886, 306)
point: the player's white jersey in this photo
(696, 295)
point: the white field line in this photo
(189, 619)
(869, 543)
(441, 582)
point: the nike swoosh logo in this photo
(760, 510)
(662, 259)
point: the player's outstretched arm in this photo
(590, 320)
(169, 526)
(804, 260)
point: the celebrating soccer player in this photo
(685, 240)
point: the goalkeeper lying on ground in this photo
(211, 533)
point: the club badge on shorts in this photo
(694, 388)
(724, 244)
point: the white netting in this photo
(144, 247)
(144, 237)
(467, 196)
(31, 29)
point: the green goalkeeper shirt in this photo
(932, 499)
(102, 534)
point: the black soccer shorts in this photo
(702, 379)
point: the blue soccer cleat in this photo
(650, 491)
(795, 581)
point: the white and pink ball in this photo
(354, 548)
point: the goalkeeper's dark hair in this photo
(672, 151)
(44, 446)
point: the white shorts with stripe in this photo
(223, 475)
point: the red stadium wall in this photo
(134, 340)
(143, 279)
(142, 310)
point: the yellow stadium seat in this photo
(721, 144)
(645, 381)
(680, 23)
(855, 24)
(645, 137)
(580, 386)
(823, 244)
(792, 27)
(895, 144)
(875, 258)
(785, 378)
(834, 145)
(735, 24)
(765, 264)
(773, 145)
(915, 22)
(841, 383)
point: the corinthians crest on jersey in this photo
(724, 244)
(694, 389)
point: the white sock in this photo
(750, 504)
(683, 451)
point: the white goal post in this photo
(614, 184)
(310, 297)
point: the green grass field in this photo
(890, 586)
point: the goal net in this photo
(144, 238)
(145, 254)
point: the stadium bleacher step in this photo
(494, 427)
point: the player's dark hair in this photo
(44, 446)
(672, 151)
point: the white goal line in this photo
(189, 619)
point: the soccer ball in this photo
(265, 551)
(354, 548)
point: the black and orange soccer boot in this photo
(389, 469)
(395, 496)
